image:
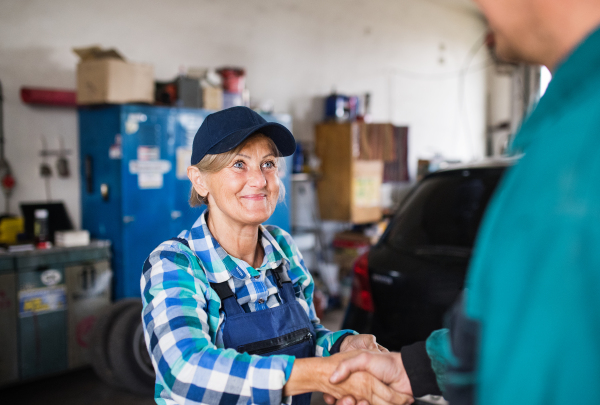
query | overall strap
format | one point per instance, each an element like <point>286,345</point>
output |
<point>228,298</point>
<point>284,283</point>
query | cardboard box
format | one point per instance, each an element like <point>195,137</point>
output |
<point>349,189</point>
<point>103,76</point>
<point>365,200</point>
<point>71,238</point>
<point>212,98</point>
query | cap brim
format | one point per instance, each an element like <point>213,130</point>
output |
<point>281,136</point>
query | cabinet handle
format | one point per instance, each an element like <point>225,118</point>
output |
<point>104,191</point>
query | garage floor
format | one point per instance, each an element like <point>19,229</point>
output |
<point>83,387</point>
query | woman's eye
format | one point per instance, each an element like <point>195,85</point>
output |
<point>269,165</point>
<point>238,165</point>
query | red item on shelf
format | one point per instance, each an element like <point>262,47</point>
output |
<point>44,245</point>
<point>63,98</point>
<point>233,79</point>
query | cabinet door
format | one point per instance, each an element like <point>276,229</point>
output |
<point>42,320</point>
<point>148,189</point>
<point>9,369</point>
<point>187,123</point>
<point>281,215</point>
<point>88,293</point>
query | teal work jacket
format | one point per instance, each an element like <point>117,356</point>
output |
<point>533,287</point>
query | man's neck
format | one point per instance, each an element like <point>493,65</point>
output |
<point>569,31</point>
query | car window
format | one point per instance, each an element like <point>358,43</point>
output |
<point>444,211</point>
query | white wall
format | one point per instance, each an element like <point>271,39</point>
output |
<point>295,52</point>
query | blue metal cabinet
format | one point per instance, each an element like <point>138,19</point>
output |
<point>187,122</point>
<point>281,216</point>
<point>134,185</point>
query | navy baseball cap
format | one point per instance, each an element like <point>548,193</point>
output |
<point>224,130</point>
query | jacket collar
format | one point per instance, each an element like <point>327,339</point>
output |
<point>573,74</point>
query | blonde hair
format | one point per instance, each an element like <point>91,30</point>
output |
<point>215,163</point>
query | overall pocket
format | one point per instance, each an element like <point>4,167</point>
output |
<point>285,344</point>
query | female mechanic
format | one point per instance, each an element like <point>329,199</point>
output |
<point>228,305</point>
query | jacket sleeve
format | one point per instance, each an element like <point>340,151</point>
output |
<point>180,330</point>
<point>446,362</point>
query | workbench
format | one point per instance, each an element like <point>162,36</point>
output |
<point>48,303</point>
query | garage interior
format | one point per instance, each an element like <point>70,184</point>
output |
<point>100,102</point>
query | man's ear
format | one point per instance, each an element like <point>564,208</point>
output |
<point>198,180</point>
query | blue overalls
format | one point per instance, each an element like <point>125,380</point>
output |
<point>285,329</point>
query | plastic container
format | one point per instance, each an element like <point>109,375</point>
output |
<point>233,79</point>
<point>298,159</point>
<point>40,228</point>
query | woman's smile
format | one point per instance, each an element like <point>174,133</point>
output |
<point>255,197</point>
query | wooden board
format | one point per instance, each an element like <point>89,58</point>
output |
<point>334,148</point>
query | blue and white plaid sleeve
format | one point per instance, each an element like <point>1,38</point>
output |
<point>304,285</point>
<point>180,320</point>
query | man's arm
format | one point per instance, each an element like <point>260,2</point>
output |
<point>445,362</point>
<point>418,369</point>
<point>409,372</point>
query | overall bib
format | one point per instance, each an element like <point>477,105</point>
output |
<point>285,329</point>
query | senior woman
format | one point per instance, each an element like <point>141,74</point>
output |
<point>228,305</point>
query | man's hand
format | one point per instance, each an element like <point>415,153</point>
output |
<point>368,390</point>
<point>351,379</point>
<point>313,374</point>
<point>361,342</point>
<point>386,367</point>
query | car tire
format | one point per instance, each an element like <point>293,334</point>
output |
<point>99,340</point>
<point>128,354</point>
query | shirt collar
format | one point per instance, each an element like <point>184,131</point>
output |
<point>219,265</point>
<point>577,69</point>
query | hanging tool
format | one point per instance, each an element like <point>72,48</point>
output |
<point>62,164</point>
<point>45,169</point>
<point>7,180</point>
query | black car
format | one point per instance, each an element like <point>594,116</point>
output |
<point>405,284</point>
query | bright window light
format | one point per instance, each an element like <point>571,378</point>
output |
<point>545,77</point>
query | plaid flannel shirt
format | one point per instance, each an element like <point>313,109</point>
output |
<point>183,321</point>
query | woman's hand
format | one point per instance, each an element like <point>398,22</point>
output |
<point>312,374</point>
<point>361,342</point>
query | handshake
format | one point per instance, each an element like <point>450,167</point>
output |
<point>362,373</point>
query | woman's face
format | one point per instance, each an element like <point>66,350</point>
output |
<point>247,189</point>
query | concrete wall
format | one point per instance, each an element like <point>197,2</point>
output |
<point>410,54</point>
